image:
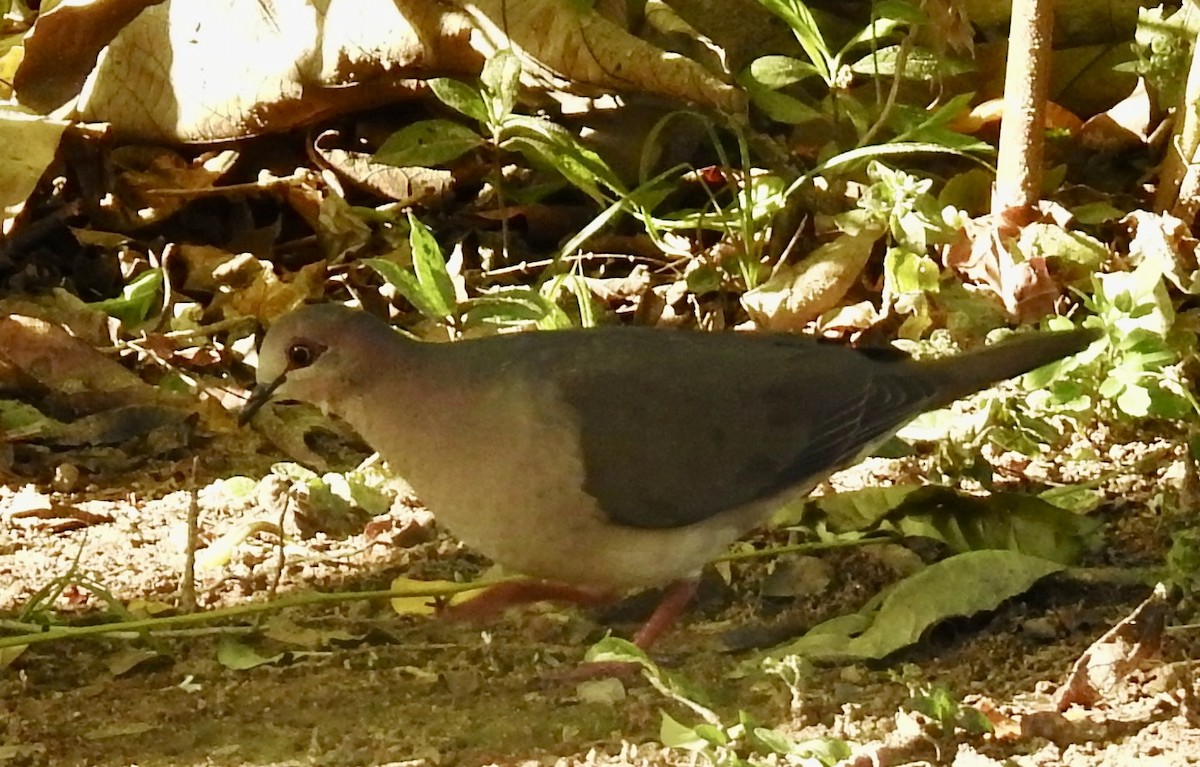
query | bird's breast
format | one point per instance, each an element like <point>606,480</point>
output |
<point>500,466</point>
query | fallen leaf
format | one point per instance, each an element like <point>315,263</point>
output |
<point>1100,672</point>
<point>797,294</point>
<point>240,69</point>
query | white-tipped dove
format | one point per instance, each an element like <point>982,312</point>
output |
<point>615,458</point>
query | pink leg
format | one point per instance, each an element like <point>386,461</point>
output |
<point>502,596</point>
<point>679,595</point>
<point>664,617</point>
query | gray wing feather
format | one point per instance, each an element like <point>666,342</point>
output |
<point>667,442</point>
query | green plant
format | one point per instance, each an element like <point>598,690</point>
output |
<point>491,104</point>
<point>769,79</point>
<point>1161,48</point>
<point>939,704</point>
<point>1137,368</point>
<point>741,744</point>
<point>1183,561</point>
<point>429,287</point>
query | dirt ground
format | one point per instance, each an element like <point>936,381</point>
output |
<point>357,683</point>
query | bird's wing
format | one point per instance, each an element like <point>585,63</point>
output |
<point>678,427</point>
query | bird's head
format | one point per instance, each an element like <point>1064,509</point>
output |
<point>308,354</point>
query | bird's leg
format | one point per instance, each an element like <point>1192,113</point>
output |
<point>496,599</point>
<point>664,617</point>
<point>676,599</point>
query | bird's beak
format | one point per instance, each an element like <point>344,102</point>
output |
<point>260,396</point>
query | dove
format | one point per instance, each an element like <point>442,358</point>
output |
<point>616,458</point>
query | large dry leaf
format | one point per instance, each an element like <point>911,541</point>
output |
<point>797,294</point>
<point>199,70</point>
<point>985,255</point>
<point>65,371</point>
<point>27,146</point>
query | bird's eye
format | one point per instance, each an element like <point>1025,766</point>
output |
<point>301,355</point>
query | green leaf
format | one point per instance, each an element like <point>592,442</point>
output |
<point>234,654</point>
<point>861,509</point>
<point>430,267</point>
<point>1008,521</point>
<point>804,27</point>
<point>460,97</point>
<point>616,650</point>
<point>899,11</point>
<point>780,107</point>
<point>1094,213</point>
<point>576,287</point>
<point>907,272</point>
<point>673,734</point>
<point>919,64</point>
<point>428,286</point>
<point>512,306</point>
<point>501,77</point>
<point>779,71</point>
<point>712,733</point>
<point>1053,241</point>
<point>427,143</point>
<point>962,585</point>
<point>773,741</point>
<point>552,146</point>
<point>21,421</point>
<point>854,157</point>
<point>877,30</point>
<point>137,299</point>
<point>406,284</point>
<point>1134,401</point>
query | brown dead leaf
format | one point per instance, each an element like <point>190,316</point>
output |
<point>66,371</point>
<point>27,147</point>
<point>1101,671</point>
<point>268,297</point>
<point>1167,241</point>
<point>62,47</point>
<point>797,294</point>
<point>407,186</point>
<point>1125,125</point>
<point>65,309</point>
<point>153,183</point>
<point>989,113</point>
<point>949,28</point>
<point>985,256</point>
<point>1004,727</point>
<point>207,268</point>
<point>846,320</point>
<point>198,70</point>
<point>29,506</point>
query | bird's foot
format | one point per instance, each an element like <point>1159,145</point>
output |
<point>496,599</point>
<point>676,599</point>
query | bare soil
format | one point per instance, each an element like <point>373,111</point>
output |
<point>359,684</point>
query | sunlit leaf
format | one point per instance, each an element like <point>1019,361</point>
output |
<point>962,585</point>
<point>428,143</point>
<point>460,97</point>
<point>239,656</point>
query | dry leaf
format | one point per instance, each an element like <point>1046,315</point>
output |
<point>198,70</point>
<point>407,186</point>
<point>985,256</point>
<point>796,295</point>
<point>27,146</point>
<point>1100,672</point>
<point>1125,125</point>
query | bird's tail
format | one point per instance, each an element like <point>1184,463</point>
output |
<point>968,373</point>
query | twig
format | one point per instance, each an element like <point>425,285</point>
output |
<point>889,105</point>
<point>150,625</point>
<point>187,590</point>
<point>249,187</point>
